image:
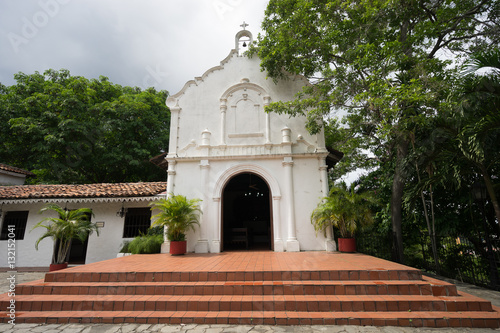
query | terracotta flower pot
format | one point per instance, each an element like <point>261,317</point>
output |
<point>347,244</point>
<point>177,248</point>
<point>57,267</point>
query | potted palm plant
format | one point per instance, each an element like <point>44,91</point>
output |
<point>345,210</point>
<point>68,225</point>
<point>178,214</point>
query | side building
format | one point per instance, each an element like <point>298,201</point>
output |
<point>121,210</point>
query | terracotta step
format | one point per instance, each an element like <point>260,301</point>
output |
<point>249,288</point>
<point>327,275</point>
<point>409,319</point>
<point>313,303</point>
<point>241,288</point>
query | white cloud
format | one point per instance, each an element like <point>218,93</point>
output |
<point>163,43</point>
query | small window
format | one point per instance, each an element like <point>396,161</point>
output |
<point>16,221</point>
<point>137,220</point>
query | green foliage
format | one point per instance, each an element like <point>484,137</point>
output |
<point>178,214</point>
<point>68,225</point>
<point>124,247</point>
<point>343,209</point>
<point>69,129</point>
<point>146,244</point>
<point>157,230</point>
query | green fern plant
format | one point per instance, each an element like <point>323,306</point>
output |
<point>68,225</point>
<point>178,214</point>
<point>146,244</point>
<point>343,209</point>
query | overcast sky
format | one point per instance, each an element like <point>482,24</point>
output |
<point>160,43</point>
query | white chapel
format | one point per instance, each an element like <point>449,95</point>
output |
<point>259,175</point>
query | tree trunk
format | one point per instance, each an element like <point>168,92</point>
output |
<point>431,230</point>
<point>397,202</point>
<point>491,191</point>
<point>55,251</point>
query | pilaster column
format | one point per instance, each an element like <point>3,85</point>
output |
<point>223,110</point>
<point>267,101</point>
<point>174,131</point>
<point>292,244</point>
<point>278,240</point>
<point>217,218</point>
<point>165,247</point>
<point>171,177</point>
<point>330,244</point>
<point>202,245</point>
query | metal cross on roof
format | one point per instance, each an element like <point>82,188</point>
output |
<point>244,25</point>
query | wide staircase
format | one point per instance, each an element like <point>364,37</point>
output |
<point>295,293</point>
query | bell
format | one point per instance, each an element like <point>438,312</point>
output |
<point>244,44</point>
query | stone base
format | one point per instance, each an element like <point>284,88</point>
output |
<point>165,247</point>
<point>215,247</point>
<point>279,246</point>
<point>330,245</point>
<point>292,246</point>
<point>201,246</point>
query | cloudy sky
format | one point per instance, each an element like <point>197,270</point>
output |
<point>160,43</point>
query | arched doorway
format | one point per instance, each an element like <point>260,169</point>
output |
<point>246,214</point>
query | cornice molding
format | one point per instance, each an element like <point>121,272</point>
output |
<point>81,200</point>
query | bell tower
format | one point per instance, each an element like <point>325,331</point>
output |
<point>243,39</point>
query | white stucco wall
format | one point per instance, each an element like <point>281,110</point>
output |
<point>10,178</point>
<point>102,247</point>
<point>219,129</point>
<point>307,194</point>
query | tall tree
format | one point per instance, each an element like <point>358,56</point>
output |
<point>382,62</point>
<point>69,129</point>
<point>478,125</point>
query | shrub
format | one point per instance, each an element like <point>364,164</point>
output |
<point>146,244</point>
<point>124,248</point>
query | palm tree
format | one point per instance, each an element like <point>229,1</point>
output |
<point>344,209</point>
<point>178,214</point>
<point>68,225</point>
<point>479,131</point>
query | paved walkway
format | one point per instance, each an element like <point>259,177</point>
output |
<point>21,277</point>
<point>193,328</point>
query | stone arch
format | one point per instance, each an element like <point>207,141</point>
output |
<point>242,168</point>
<point>246,213</point>
<point>239,35</point>
<point>275,193</point>
<point>244,84</point>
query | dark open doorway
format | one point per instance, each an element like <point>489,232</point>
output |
<point>77,254</point>
<point>247,214</point>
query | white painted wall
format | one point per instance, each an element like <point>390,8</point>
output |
<point>307,194</point>
<point>10,178</point>
<point>219,129</point>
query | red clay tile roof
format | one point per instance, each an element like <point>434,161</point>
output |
<point>83,190</point>
<point>15,170</point>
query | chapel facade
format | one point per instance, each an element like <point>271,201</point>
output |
<point>259,175</point>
